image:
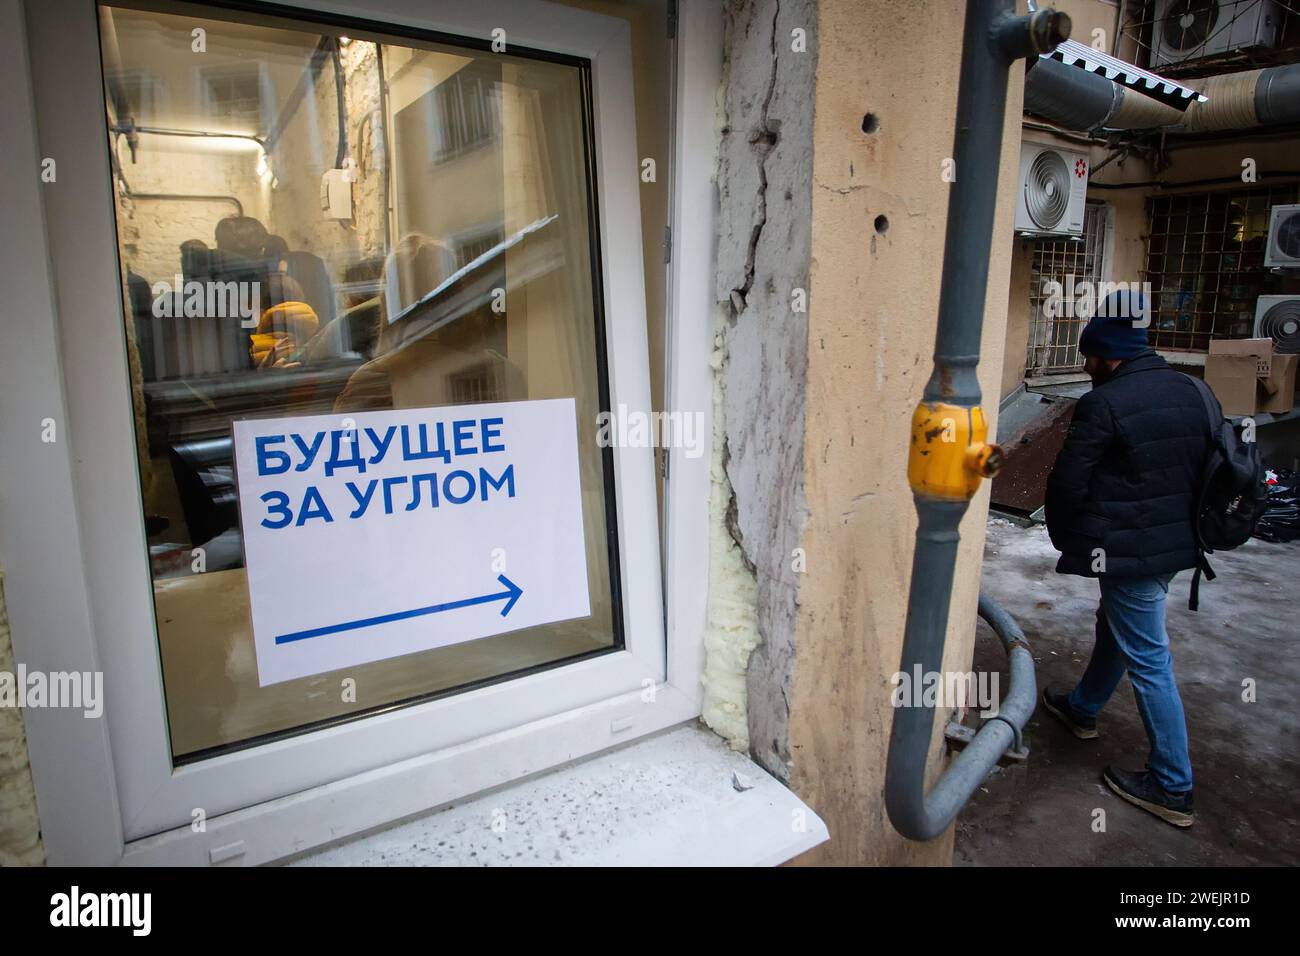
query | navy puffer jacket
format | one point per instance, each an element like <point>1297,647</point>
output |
<point>1127,478</point>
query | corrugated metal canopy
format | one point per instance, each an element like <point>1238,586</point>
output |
<point>1169,92</point>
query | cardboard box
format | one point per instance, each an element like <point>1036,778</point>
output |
<point>1248,377</point>
<point>1262,349</point>
<point>1281,383</point>
<point>1234,381</point>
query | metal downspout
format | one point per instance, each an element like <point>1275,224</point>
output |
<point>949,453</point>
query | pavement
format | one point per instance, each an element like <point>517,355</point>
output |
<point>1245,754</point>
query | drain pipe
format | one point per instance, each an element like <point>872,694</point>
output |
<point>949,453</point>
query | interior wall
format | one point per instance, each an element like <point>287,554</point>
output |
<point>155,51</point>
<point>153,229</point>
<point>308,147</point>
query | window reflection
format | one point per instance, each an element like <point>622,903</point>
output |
<point>318,223</point>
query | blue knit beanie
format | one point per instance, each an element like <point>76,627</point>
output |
<point>1118,330</point>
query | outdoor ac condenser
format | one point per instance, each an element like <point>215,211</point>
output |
<point>1053,191</point>
<point>1191,29</point>
<point>1283,250</point>
<point>1277,317</point>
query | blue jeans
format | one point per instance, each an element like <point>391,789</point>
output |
<point>1131,636</point>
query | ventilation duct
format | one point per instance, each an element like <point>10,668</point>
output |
<point>1079,100</point>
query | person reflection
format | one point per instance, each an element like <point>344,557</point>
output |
<point>285,329</point>
<point>404,320</point>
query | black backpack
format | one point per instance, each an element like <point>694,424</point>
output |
<point>1232,493</point>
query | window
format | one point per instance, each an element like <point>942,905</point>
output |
<point>233,96</point>
<point>470,247</point>
<point>140,92</point>
<point>352,275</point>
<point>458,115</point>
<point>122,788</point>
<point>1205,262</point>
<point>1054,339</point>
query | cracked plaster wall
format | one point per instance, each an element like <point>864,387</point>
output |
<point>818,404</point>
<point>764,249</point>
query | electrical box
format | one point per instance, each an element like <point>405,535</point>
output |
<point>336,194</point>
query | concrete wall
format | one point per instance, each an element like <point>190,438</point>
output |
<point>819,404</point>
<point>764,252</point>
<point>308,147</point>
<point>875,303</point>
<point>153,229</point>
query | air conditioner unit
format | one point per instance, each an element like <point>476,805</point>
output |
<point>1283,250</point>
<point>1277,317</point>
<point>1190,29</point>
<point>1053,191</point>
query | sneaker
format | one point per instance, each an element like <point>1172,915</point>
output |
<point>1141,790</point>
<point>1057,703</point>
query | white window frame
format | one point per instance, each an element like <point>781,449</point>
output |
<point>78,585</point>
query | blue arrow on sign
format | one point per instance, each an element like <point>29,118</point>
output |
<point>510,595</point>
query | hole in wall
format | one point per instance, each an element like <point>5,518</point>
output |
<point>870,123</point>
<point>769,135</point>
<point>882,224</point>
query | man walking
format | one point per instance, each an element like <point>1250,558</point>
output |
<point>1120,503</point>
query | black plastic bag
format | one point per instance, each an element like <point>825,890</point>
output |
<point>1281,518</point>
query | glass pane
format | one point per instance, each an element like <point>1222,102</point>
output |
<point>371,224</point>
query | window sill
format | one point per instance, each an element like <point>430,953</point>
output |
<point>1180,357</point>
<point>667,800</point>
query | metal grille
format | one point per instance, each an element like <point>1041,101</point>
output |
<point>471,247</point>
<point>1054,339</point>
<point>466,114</point>
<point>479,383</point>
<point>1205,263</point>
<point>235,96</point>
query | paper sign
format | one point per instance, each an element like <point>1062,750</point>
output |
<point>377,534</point>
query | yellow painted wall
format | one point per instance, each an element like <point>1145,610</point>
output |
<point>874,307</point>
<point>1017,306</point>
<point>1087,16</point>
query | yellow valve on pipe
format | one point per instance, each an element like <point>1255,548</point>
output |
<point>949,454</point>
